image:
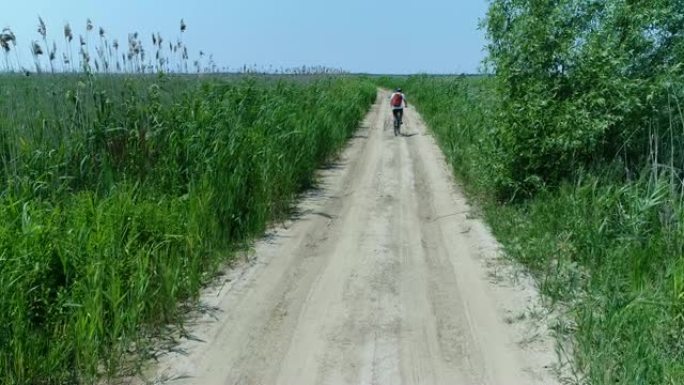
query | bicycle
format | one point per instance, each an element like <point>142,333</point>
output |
<point>397,121</point>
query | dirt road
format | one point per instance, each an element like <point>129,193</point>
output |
<point>385,278</point>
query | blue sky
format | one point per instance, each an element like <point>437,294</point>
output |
<point>401,36</point>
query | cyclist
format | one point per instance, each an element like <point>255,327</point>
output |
<point>398,102</point>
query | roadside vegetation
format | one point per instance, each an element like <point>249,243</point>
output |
<point>574,148</point>
<point>122,193</point>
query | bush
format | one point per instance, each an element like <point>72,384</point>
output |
<point>584,83</point>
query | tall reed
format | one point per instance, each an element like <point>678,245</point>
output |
<point>122,194</point>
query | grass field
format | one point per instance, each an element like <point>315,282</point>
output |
<point>123,193</point>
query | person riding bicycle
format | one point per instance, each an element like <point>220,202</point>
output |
<point>398,102</point>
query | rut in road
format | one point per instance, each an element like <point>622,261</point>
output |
<point>384,278</point>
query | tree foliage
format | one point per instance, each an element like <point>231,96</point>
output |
<point>583,83</point>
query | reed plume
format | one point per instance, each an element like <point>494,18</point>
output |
<point>136,59</point>
<point>68,35</point>
<point>42,30</point>
<point>36,49</point>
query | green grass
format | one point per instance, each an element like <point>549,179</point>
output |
<point>122,194</point>
<point>606,252</point>
<point>614,254</point>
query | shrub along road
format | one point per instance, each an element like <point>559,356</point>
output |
<point>385,277</point>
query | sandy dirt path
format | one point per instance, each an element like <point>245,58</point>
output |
<point>385,277</point>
